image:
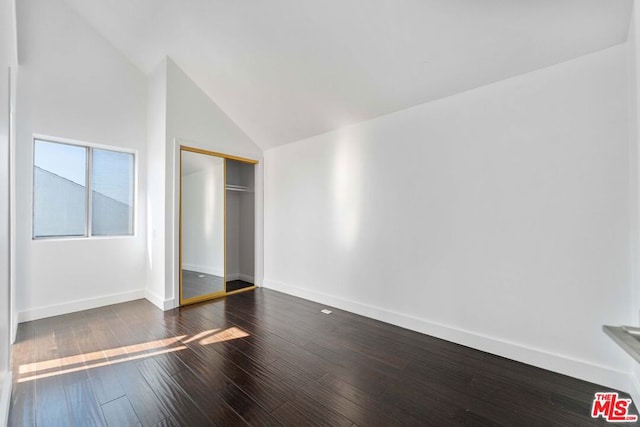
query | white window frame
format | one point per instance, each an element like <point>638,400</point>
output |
<point>89,198</point>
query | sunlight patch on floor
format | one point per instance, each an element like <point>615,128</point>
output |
<point>96,359</point>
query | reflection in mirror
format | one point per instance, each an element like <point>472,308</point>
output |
<point>202,226</point>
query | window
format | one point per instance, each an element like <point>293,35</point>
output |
<point>81,191</point>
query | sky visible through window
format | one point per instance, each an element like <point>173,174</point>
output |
<point>112,170</point>
<point>67,161</point>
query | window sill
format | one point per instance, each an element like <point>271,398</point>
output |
<point>76,239</point>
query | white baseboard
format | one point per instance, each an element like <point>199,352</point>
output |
<point>158,301</point>
<point>5,397</point>
<point>203,269</point>
<point>78,305</point>
<point>553,362</point>
<point>14,327</point>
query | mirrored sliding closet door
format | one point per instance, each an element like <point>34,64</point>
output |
<point>202,227</point>
<point>217,217</point>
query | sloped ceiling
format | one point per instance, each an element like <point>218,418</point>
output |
<point>284,70</point>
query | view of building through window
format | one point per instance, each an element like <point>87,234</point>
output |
<point>81,191</point>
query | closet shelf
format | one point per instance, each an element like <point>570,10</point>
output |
<point>232,187</point>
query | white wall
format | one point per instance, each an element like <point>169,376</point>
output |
<point>497,218</point>
<point>633,44</point>
<point>7,67</point>
<point>156,187</point>
<point>74,84</point>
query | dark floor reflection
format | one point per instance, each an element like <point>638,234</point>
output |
<point>195,284</point>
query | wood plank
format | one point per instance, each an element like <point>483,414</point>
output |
<point>168,422</point>
<point>257,383</point>
<point>22,410</point>
<point>103,379</point>
<point>51,403</point>
<point>205,395</point>
<point>120,413</point>
<point>83,406</point>
<point>289,415</point>
<point>148,408</point>
<point>374,411</point>
<point>246,407</point>
<point>174,399</point>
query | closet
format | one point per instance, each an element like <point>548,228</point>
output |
<point>217,224</point>
<point>240,210</point>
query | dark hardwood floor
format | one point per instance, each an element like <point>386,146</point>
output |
<point>266,358</point>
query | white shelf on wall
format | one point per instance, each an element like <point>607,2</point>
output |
<point>232,187</point>
<point>627,337</point>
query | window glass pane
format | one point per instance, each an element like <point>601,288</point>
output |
<point>112,185</point>
<point>59,190</point>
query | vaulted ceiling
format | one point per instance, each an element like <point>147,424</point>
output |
<point>284,70</point>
